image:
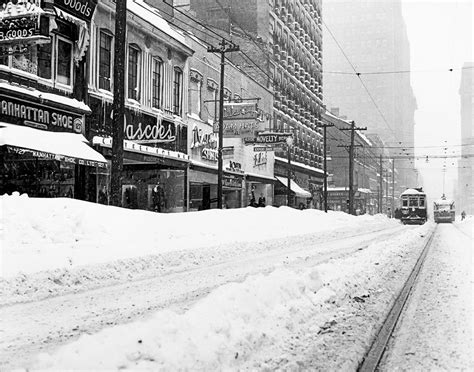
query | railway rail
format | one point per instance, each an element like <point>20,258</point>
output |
<point>374,355</point>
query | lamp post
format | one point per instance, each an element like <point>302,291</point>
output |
<point>289,143</point>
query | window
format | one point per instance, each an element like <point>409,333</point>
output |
<point>177,82</point>
<point>133,61</point>
<point>105,59</point>
<point>64,62</point>
<point>157,73</point>
<point>195,92</point>
<point>52,62</point>
<point>44,61</point>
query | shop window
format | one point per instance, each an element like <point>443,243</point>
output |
<point>52,62</point>
<point>133,71</point>
<point>157,81</point>
<point>64,62</point>
<point>105,61</point>
<point>177,86</point>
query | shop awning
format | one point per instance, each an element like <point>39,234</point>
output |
<point>299,192</point>
<point>64,146</point>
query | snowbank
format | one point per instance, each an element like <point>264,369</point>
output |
<point>58,246</point>
<point>45,234</point>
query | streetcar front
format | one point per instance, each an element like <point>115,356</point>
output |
<point>444,210</point>
<point>413,206</point>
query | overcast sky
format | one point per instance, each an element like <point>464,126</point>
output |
<point>441,37</point>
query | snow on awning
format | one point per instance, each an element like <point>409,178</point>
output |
<point>141,149</point>
<point>294,187</point>
<point>64,146</point>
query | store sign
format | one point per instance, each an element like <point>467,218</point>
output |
<point>50,156</point>
<point>20,29</point>
<point>209,154</point>
<point>268,138</point>
<point>16,111</point>
<point>231,181</point>
<point>233,166</point>
<point>83,9</point>
<point>206,143</point>
<point>142,128</point>
<point>240,120</point>
<point>260,159</point>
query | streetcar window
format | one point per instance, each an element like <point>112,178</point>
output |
<point>413,202</point>
<point>404,202</point>
<point>422,202</point>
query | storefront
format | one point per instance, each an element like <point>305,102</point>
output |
<point>43,150</point>
<point>300,197</point>
<point>155,164</point>
<point>338,200</point>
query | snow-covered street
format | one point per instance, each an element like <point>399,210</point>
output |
<point>271,288</point>
<point>436,330</point>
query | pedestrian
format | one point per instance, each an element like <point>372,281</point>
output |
<point>463,215</point>
<point>261,201</point>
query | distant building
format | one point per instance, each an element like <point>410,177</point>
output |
<point>465,190</point>
<point>373,193</point>
<point>373,36</point>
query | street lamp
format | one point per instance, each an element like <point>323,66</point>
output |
<point>289,143</point>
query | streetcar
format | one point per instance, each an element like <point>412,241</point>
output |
<point>413,206</point>
<point>444,210</point>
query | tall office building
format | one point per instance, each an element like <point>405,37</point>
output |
<point>284,38</point>
<point>465,190</point>
<point>373,36</point>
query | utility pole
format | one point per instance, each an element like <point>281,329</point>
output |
<point>225,47</point>
<point>353,128</point>
<point>386,189</point>
<point>325,192</point>
<point>118,103</point>
<point>380,185</point>
<point>393,187</point>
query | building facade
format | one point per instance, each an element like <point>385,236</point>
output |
<point>465,189</point>
<point>156,160</point>
<point>373,189</point>
<point>373,36</point>
<point>247,173</point>
<point>43,99</point>
<point>284,38</point>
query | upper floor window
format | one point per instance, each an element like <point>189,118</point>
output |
<point>177,86</point>
<point>64,62</point>
<point>105,61</point>
<point>195,92</point>
<point>52,62</point>
<point>157,82</point>
<point>133,71</point>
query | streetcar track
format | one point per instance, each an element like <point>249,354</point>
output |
<point>379,345</point>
